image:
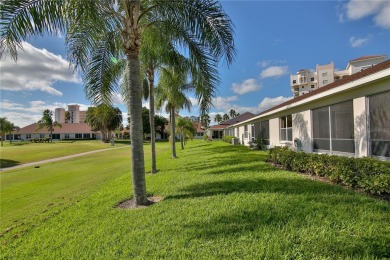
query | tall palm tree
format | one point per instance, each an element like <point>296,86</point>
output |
<point>48,123</point>
<point>156,51</point>
<point>97,32</point>
<point>186,130</point>
<point>225,117</point>
<point>171,92</point>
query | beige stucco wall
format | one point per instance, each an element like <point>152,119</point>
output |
<point>302,129</point>
<point>360,129</point>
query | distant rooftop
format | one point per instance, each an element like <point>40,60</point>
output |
<point>367,57</point>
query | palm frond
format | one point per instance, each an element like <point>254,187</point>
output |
<point>21,19</point>
<point>102,77</point>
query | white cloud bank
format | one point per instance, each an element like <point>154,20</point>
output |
<point>268,103</point>
<point>35,69</point>
<point>358,42</point>
<point>379,9</point>
<point>274,71</point>
<point>248,85</point>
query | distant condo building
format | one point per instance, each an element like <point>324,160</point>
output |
<point>75,115</point>
<point>305,81</point>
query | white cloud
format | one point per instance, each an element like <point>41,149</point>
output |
<point>35,69</point>
<point>274,71</point>
<point>379,9</point>
<point>248,85</point>
<point>267,102</point>
<point>194,101</point>
<point>358,42</point>
<point>22,115</point>
<point>223,103</point>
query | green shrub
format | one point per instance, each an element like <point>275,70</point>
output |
<point>367,173</point>
<point>227,138</point>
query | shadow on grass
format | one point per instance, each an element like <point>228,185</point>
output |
<point>256,185</point>
<point>4,163</point>
<point>293,208</point>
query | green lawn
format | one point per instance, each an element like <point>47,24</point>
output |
<point>25,152</point>
<point>220,202</point>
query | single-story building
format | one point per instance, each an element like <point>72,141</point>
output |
<point>67,131</point>
<point>217,131</point>
<point>350,116</point>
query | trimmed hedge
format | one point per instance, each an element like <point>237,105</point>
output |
<point>368,173</point>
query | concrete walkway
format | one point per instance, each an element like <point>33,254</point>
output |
<point>59,159</point>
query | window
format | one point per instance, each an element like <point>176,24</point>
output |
<point>379,118</point>
<point>55,136</point>
<point>86,136</point>
<point>28,136</point>
<point>286,128</point>
<point>333,128</point>
<point>41,135</point>
<point>303,87</point>
<point>325,82</point>
<point>262,131</point>
<point>79,135</point>
<point>325,74</point>
<point>66,136</point>
<point>246,131</point>
<point>312,86</point>
<point>312,79</point>
<point>294,81</point>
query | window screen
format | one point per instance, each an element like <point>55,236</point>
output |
<point>321,130</point>
<point>342,127</point>
<point>262,131</point>
<point>333,128</point>
<point>379,116</point>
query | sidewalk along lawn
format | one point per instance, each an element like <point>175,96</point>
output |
<point>24,152</point>
<point>220,202</point>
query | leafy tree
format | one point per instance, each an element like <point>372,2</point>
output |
<point>68,117</point>
<point>99,31</point>
<point>225,117</point>
<point>218,118</point>
<point>186,130</point>
<point>160,122</point>
<point>105,119</point>
<point>5,128</point>
<point>48,123</point>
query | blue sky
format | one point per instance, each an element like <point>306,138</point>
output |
<point>273,39</point>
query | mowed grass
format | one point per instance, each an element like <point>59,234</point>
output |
<point>24,152</point>
<point>220,202</point>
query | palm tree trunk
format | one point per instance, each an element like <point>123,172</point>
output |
<point>182,141</point>
<point>136,131</point>
<point>150,73</point>
<point>173,143</point>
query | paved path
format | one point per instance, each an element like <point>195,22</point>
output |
<point>59,158</point>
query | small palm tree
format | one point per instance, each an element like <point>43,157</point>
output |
<point>48,123</point>
<point>218,118</point>
<point>186,130</point>
<point>5,127</point>
<point>232,113</point>
<point>171,92</point>
<point>225,117</point>
<point>105,119</point>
